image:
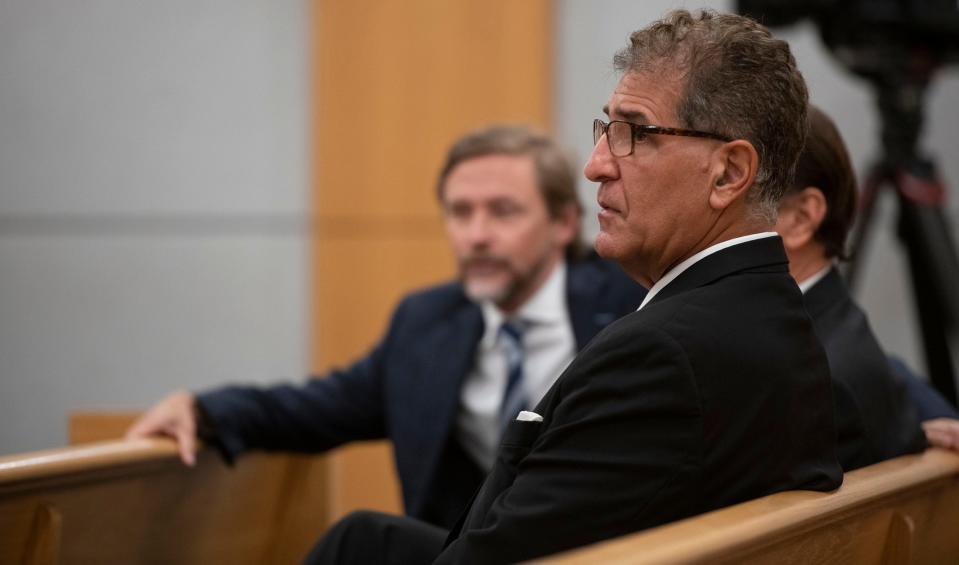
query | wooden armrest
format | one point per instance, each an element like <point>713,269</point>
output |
<point>91,457</point>
<point>902,510</point>
<point>135,502</point>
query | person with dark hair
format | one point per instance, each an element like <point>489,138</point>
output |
<point>460,359</point>
<point>875,418</point>
<point>716,390</point>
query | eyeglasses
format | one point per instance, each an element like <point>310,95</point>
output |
<point>621,136</point>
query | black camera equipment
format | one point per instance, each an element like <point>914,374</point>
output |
<point>897,45</point>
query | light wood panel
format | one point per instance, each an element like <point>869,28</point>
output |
<point>91,426</point>
<point>395,83</point>
<point>299,482</point>
<point>902,511</point>
<point>134,502</point>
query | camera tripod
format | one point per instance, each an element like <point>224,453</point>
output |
<point>897,47</point>
<point>923,228</point>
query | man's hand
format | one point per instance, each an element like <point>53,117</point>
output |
<point>942,432</point>
<point>173,416</point>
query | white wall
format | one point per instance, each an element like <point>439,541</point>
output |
<point>153,187</point>
<point>590,32</point>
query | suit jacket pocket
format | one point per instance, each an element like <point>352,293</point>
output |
<point>517,441</point>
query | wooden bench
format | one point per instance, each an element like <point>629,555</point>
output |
<point>134,502</point>
<point>902,511</point>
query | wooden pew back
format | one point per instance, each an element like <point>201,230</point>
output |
<point>901,511</point>
<point>134,502</point>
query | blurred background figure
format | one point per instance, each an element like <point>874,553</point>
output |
<point>875,417</point>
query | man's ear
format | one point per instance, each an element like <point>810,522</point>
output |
<point>800,216</point>
<point>734,170</point>
<point>566,224</point>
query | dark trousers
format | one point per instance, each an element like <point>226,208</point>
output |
<point>366,537</point>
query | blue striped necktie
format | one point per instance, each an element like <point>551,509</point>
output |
<point>514,395</point>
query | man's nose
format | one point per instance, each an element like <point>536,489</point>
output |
<point>601,165</point>
<point>479,229</point>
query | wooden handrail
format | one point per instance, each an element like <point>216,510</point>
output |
<point>765,520</point>
<point>89,457</point>
<point>135,502</point>
<point>883,490</point>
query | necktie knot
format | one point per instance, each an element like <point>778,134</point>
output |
<point>513,330</point>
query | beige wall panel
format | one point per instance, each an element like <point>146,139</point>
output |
<point>363,477</point>
<point>395,82</point>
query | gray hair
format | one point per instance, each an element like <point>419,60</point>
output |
<point>739,81</point>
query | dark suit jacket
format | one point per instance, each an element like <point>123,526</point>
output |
<point>875,417</point>
<point>714,393</point>
<point>406,389</point>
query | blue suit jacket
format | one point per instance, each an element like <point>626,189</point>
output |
<point>406,389</point>
<point>929,402</point>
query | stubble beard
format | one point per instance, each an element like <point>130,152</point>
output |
<point>517,284</point>
<point>479,289</point>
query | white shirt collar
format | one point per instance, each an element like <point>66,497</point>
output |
<point>690,261</point>
<point>546,306</point>
<point>811,281</point>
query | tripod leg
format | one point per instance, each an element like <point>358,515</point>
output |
<point>935,280</point>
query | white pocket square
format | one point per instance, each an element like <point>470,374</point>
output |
<point>526,416</point>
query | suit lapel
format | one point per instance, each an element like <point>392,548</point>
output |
<point>452,347</point>
<point>825,294</point>
<point>759,254</point>
<point>588,313</point>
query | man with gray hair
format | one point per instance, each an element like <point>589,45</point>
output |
<point>716,390</point>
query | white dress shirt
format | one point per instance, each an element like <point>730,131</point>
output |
<point>671,275</point>
<point>548,346</point>
<point>811,281</point>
